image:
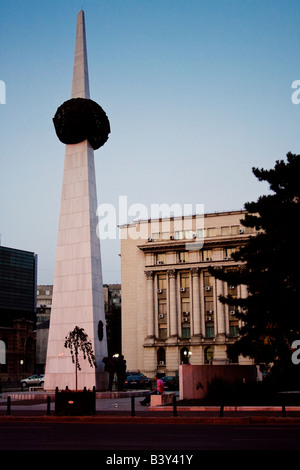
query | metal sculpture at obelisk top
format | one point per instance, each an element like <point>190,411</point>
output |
<point>77,299</point>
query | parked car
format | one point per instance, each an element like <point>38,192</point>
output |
<point>137,381</point>
<point>33,380</point>
<point>171,382</point>
<point>146,379</point>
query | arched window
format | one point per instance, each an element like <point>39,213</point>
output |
<point>208,355</point>
<point>184,356</point>
<point>233,358</point>
<point>161,357</point>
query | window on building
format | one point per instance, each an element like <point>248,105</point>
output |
<point>225,231</point>
<point>161,357</point>
<point>235,229</point>
<point>209,305</point>
<point>162,319</point>
<point>208,281</point>
<point>178,235</point>
<point>188,234</point>
<point>232,290</point>
<point>184,355</point>
<point>162,331</point>
<point>184,281</point>
<point>209,327</point>
<point>211,232</point>
<point>228,252</point>
<point>183,256</point>
<point>201,232</point>
<point>162,310</point>
<point>232,309</point>
<point>233,328</point>
<point>185,331</point>
<point>185,306</point>
<point>160,258</point>
<point>162,282</point>
<point>208,355</point>
<point>185,318</point>
<point>207,255</point>
<point>248,229</point>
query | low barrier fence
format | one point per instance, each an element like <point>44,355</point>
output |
<point>48,406</point>
<point>173,407</point>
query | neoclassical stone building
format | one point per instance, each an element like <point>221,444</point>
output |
<point>170,308</point>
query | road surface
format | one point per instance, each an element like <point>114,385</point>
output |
<point>29,435</point>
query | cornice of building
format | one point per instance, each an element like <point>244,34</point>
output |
<point>181,245</point>
<point>190,266</point>
<point>192,216</point>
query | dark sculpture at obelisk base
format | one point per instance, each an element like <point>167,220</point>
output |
<point>77,299</point>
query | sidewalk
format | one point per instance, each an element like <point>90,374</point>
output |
<point>120,407</point>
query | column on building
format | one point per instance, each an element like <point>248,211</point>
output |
<point>172,302</point>
<point>227,326</point>
<point>202,305</point>
<point>150,305</point>
<point>196,302</point>
<point>220,309</point>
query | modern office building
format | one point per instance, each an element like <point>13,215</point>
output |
<point>171,313</point>
<point>18,277</point>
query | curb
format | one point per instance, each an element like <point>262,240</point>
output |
<point>246,420</point>
<point>226,408</point>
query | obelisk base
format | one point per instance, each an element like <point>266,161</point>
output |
<point>87,380</point>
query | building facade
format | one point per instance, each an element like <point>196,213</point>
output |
<point>171,313</point>
<point>43,307</point>
<point>18,278</point>
<point>18,274</point>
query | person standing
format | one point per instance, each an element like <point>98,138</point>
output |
<point>109,367</point>
<point>121,372</point>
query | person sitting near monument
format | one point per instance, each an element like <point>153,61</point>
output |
<point>159,390</point>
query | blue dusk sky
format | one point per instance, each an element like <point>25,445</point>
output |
<point>197,93</point>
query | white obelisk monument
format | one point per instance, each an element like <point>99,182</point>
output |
<point>78,288</point>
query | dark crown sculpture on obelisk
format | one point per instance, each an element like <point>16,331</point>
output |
<point>77,300</point>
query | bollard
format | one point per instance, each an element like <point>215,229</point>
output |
<point>174,406</point>
<point>221,414</point>
<point>8,406</point>
<point>283,412</point>
<point>132,406</point>
<point>48,405</point>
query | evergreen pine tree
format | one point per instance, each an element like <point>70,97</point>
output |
<point>270,269</point>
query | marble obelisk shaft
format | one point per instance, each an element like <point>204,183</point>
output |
<point>78,287</point>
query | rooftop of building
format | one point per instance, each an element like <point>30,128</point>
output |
<point>187,216</point>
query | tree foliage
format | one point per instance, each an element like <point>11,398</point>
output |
<point>269,265</point>
<point>77,340</point>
